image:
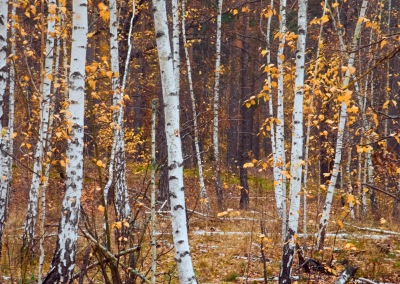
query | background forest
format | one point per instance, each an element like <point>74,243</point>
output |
<point>201,141</point>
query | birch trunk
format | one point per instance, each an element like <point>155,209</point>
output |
<point>175,43</point>
<point>47,170</point>
<point>218,185</point>
<point>279,162</point>
<point>153,194</point>
<point>339,142</point>
<point>121,191</point>
<point>297,148</point>
<point>177,190</point>
<point>203,191</point>
<point>115,87</point>
<point>35,194</point>
<point>63,262</point>
<point>3,85</point>
<point>309,131</point>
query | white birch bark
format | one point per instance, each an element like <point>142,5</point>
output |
<point>175,161</point>
<point>121,195</point>
<point>279,162</point>
<point>3,85</point>
<point>203,191</point>
<point>37,178</point>
<point>7,143</point>
<point>297,147</point>
<point>309,129</point>
<point>339,142</point>
<point>115,87</point>
<point>118,147</point>
<point>175,43</point>
<point>63,262</point>
<point>218,185</point>
<point>49,149</point>
<point>349,181</point>
<point>153,194</point>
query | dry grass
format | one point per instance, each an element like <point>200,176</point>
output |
<point>218,255</point>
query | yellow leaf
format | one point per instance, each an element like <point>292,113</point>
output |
<point>282,57</point>
<point>352,70</point>
<point>99,163</point>
<point>126,224</point>
<point>340,223</point>
<point>334,5</point>
<point>383,43</point>
<point>385,105</point>
<point>3,177</point>
<point>109,74</point>
<point>28,145</point>
<point>365,189</point>
<point>248,105</point>
<point>235,12</point>
<point>73,200</point>
<point>264,52</point>
<point>254,161</point>
<point>383,221</point>
<point>273,84</point>
<point>52,9</point>
<point>325,19</point>
<point>345,97</point>
<point>248,165</point>
<point>101,208</point>
<point>50,77</point>
<point>116,74</point>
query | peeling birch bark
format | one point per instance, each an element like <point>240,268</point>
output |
<point>63,263</point>
<point>37,178</point>
<point>175,161</point>
<point>297,148</point>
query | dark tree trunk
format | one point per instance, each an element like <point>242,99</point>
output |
<point>256,137</point>
<point>162,152</point>
<point>245,130</point>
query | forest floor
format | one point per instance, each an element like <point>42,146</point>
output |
<point>224,249</point>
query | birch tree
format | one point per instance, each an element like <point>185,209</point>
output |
<point>339,142</point>
<point>62,266</point>
<point>121,192</point>
<point>279,162</point>
<point>218,185</point>
<point>203,191</point>
<point>175,161</point>
<point>309,129</point>
<point>297,148</point>
<point>3,85</point>
<point>38,179</point>
<point>153,194</point>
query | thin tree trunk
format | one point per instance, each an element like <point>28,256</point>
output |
<point>245,131</point>
<point>339,142</point>
<point>203,191</point>
<point>177,190</point>
<point>121,191</point>
<point>8,139</point>
<point>305,177</point>
<point>279,162</point>
<point>63,262</point>
<point>38,179</point>
<point>297,148</point>
<point>218,185</point>
<point>153,194</point>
